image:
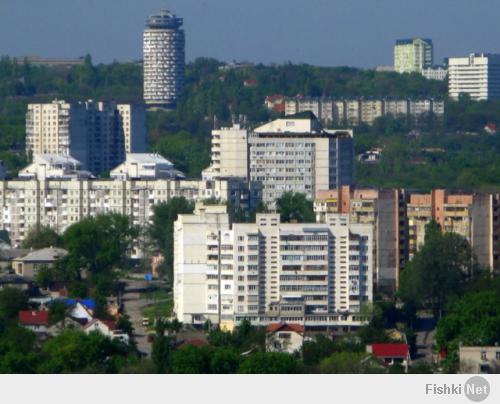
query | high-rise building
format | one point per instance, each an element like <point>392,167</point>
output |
<point>291,154</point>
<point>316,274</point>
<point>477,75</point>
<point>413,55</point>
<point>164,60</point>
<point>97,134</point>
<point>53,191</point>
<point>382,209</point>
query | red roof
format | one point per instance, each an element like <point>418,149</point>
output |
<point>390,350</point>
<point>275,97</point>
<point>28,317</point>
<point>274,327</point>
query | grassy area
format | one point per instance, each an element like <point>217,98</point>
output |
<point>161,304</point>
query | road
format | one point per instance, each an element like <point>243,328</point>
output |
<point>133,304</point>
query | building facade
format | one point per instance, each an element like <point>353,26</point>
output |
<point>399,218</point>
<point>435,73</point>
<point>292,154</point>
<point>353,112</point>
<point>97,134</point>
<point>477,75</point>
<point>164,59</point>
<point>381,209</point>
<point>318,274</point>
<point>65,197</point>
<point>413,55</point>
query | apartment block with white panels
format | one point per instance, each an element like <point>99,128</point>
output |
<point>476,75</point>
<point>164,59</point>
<point>318,274</point>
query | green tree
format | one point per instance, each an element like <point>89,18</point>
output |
<point>12,300</point>
<point>160,355</point>
<point>58,311</point>
<point>74,351</point>
<point>350,362</point>
<point>225,361</point>
<point>317,349</point>
<point>269,362</point>
<point>438,271</point>
<point>42,237</point>
<point>161,230</point>
<point>295,207</point>
<point>99,243</point>
<point>191,360</point>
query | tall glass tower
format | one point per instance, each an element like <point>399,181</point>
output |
<point>164,60</point>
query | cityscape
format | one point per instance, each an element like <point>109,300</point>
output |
<point>179,216</point>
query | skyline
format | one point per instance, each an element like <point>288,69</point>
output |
<point>243,31</point>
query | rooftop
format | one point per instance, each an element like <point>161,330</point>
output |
<point>275,327</point>
<point>164,19</point>
<point>29,317</point>
<point>44,255</point>
<point>390,350</point>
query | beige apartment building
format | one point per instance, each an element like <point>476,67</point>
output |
<point>59,195</point>
<point>353,112</point>
<point>315,274</point>
<point>399,218</point>
<point>98,134</point>
<point>290,154</point>
<point>479,359</point>
<point>381,209</point>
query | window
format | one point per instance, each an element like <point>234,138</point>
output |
<point>498,355</point>
<point>483,356</point>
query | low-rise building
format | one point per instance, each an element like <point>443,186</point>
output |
<point>479,359</point>
<point>106,328</point>
<point>284,337</point>
<point>391,353</point>
<point>29,264</point>
<point>36,321</point>
<point>145,166</point>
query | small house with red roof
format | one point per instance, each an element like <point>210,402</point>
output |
<point>284,337</point>
<point>34,320</point>
<point>391,353</point>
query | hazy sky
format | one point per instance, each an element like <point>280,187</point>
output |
<point>322,32</point>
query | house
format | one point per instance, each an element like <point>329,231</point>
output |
<point>36,321</point>
<point>391,353</point>
<point>65,324</point>
<point>106,328</point>
<point>7,255</point>
<point>82,310</point>
<point>490,128</point>
<point>479,359</point>
<point>29,264</point>
<point>370,156</point>
<point>284,337</point>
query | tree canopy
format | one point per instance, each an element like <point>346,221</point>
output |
<point>295,207</point>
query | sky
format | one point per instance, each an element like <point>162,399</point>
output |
<point>357,33</point>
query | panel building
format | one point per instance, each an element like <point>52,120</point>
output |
<point>316,274</point>
<point>289,154</point>
<point>477,75</point>
<point>164,59</point>
<point>54,192</point>
<point>399,218</point>
<point>98,134</point>
<point>413,55</point>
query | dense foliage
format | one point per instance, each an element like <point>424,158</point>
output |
<point>438,271</point>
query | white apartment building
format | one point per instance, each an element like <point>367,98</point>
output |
<point>315,274</point>
<point>435,73</point>
<point>291,154</point>
<point>56,195</point>
<point>352,112</point>
<point>413,55</point>
<point>164,59</point>
<point>145,166</point>
<point>477,75</point>
<point>97,134</point>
